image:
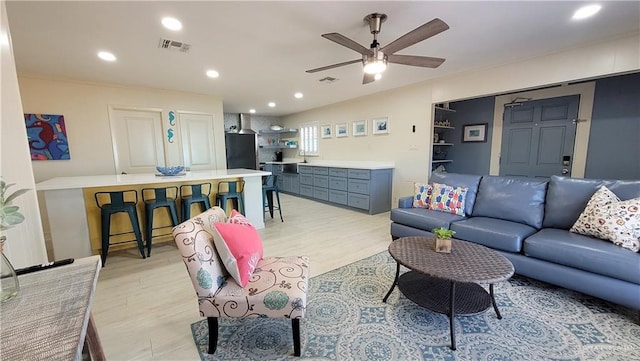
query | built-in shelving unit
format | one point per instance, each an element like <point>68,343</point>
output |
<point>278,146</point>
<point>441,131</point>
<point>275,140</point>
<point>444,109</point>
<point>280,131</point>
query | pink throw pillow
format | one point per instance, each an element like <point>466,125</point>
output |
<point>237,218</point>
<point>239,246</point>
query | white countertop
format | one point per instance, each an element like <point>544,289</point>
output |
<point>143,178</point>
<point>283,162</point>
<point>349,164</point>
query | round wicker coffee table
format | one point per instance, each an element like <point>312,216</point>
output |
<point>448,282</point>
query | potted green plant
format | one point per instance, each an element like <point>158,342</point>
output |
<point>9,216</point>
<point>443,239</point>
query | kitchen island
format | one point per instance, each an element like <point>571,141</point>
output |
<point>361,185</point>
<point>72,212</point>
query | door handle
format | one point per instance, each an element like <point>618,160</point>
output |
<point>565,171</point>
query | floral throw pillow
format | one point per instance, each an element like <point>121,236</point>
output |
<point>422,192</point>
<point>445,198</point>
<point>607,217</point>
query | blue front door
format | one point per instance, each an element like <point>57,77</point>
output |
<point>538,137</point>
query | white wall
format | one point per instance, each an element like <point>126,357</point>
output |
<point>85,109</point>
<point>412,105</point>
<point>405,107</point>
<point>25,242</point>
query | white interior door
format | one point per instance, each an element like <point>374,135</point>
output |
<point>198,144</point>
<point>137,140</point>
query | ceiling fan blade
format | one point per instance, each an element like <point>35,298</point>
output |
<point>344,41</point>
<point>334,66</point>
<point>423,61</point>
<point>433,27</point>
<point>368,78</point>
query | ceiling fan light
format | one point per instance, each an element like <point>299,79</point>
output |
<point>375,66</point>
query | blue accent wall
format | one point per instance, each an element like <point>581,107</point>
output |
<point>614,139</point>
<point>470,158</point>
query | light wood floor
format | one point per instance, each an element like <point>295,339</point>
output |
<point>143,307</point>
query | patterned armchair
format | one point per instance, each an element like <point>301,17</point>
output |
<point>277,289</point>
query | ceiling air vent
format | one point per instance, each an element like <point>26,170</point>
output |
<point>328,80</point>
<point>174,45</point>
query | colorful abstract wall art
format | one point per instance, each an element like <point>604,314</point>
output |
<point>47,136</point>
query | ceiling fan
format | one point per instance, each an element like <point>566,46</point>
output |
<point>375,58</point>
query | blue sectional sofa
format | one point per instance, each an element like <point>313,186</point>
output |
<point>528,221</point>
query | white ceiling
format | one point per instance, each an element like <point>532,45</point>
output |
<point>262,49</point>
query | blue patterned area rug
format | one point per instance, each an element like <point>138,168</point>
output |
<point>347,320</point>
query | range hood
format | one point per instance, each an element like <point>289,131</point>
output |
<point>245,124</point>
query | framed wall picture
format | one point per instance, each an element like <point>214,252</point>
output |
<point>325,131</point>
<point>359,128</point>
<point>475,133</point>
<point>341,130</point>
<point>380,125</point>
<point>47,137</point>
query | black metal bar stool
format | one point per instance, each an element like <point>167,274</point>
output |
<point>269,187</point>
<point>233,193</point>
<point>194,194</point>
<point>153,198</point>
<point>117,204</point>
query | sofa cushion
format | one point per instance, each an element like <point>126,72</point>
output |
<point>421,194</point>
<point>625,189</point>
<point>468,181</point>
<point>446,198</point>
<point>424,219</point>
<point>607,217</point>
<point>278,289</point>
<point>495,233</point>
<point>567,198</point>
<point>582,252</point>
<point>400,230</point>
<point>512,199</point>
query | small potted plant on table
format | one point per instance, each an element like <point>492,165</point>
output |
<point>443,239</point>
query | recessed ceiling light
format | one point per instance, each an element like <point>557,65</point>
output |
<point>377,76</point>
<point>172,23</point>
<point>586,11</point>
<point>272,104</point>
<point>252,111</point>
<point>106,56</point>
<point>298,95</point>
<point>212,74</point>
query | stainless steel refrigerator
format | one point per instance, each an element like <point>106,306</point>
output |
<point>242,150</point>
